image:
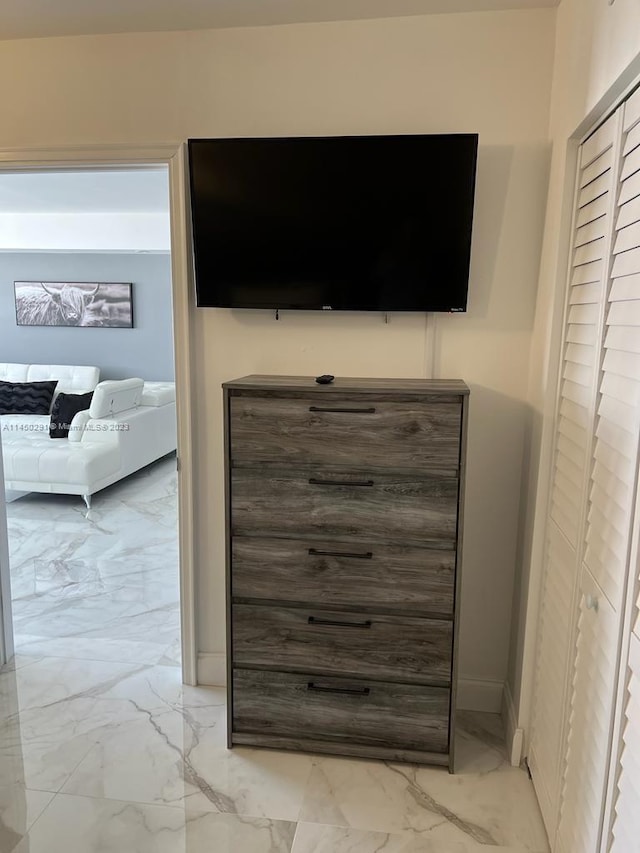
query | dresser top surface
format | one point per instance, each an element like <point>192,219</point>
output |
<point>259,382</point>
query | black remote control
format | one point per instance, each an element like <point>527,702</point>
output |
<point>325,379</point>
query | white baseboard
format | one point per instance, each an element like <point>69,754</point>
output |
<point>480,695</point>
<point>514,736</point>
<point>212,669</point>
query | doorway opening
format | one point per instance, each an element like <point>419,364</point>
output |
<point>97,583</point>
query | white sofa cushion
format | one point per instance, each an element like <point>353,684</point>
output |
<point>78,424</point>
<point>42,460</point>
<point>114,396</point>
<point>158,393</point>
<point>72,379</point>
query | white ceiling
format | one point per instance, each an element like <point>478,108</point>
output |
<point>106,191</point>
<point>39,18</point>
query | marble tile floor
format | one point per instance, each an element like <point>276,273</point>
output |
<point>103,750</point>
<point>113,757</point>
<point>101,585</point>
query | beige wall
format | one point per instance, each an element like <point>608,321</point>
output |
<point>485,72</point>
<point>597,55</point>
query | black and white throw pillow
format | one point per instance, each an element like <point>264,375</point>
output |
<point>26,398</point>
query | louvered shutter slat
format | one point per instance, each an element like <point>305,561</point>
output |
<point>624,314</point>
<point>632,140</point>
<point>622,363</point>
<point>573,433</point>
<point>575,392</point>
<point>631,189</point>
<point>567,469</point>
<point>626,237</point>
<point>629,213</point>
<point>583,294</point>
<point>590,252</point>
<point>618,413</point>
<point>601,492</point>
<point>596,189</point>
<point>631,163</point>
<point>587,273</point>
<point>578,373</point>
<point>595,230</point>
<point>592,211</point>
<point>596,169</point>
<point>577,414</point>
<point>625,288</point>
<point>610,431</point>
<point>614,512</point>
<point>613,462</point>
<point>616,491</point>
<point>609,524</point>
<point>621,388</point>
<point>624,338</point>
<point>580,354</point>
<point>598,142</point>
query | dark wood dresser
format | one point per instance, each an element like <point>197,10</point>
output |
<point>344,530</point>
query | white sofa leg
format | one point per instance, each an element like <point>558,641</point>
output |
<point>87,500</point>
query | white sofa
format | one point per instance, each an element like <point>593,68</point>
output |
<point>129,424</point>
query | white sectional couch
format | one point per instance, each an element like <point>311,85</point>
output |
<point>130,423</point>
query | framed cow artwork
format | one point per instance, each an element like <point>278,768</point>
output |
<point>74,303</point>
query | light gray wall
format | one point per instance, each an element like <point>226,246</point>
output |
<point>145,351</point>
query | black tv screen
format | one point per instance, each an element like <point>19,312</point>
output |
<point>356,223</point>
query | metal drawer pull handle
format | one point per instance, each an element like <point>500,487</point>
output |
<point>351,691</point>
<point>346,411</point>
<point>312,620</point>
<point>365,555</point>
<point>315,481</point>
<point>592,602</point>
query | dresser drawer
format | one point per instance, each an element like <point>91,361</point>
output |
<point>355,574</point>
<point>352,643</point>
<point>351,711</point>
<point>404,509</point>
<point>352,432</point>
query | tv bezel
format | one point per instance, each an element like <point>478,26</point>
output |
<point>292,306</point>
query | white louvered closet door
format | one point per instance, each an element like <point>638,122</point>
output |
<point>589,697</point>
<point>610,511</point>
<point>571,467</point>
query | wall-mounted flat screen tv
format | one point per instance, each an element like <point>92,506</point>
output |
<point>355,223</point>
